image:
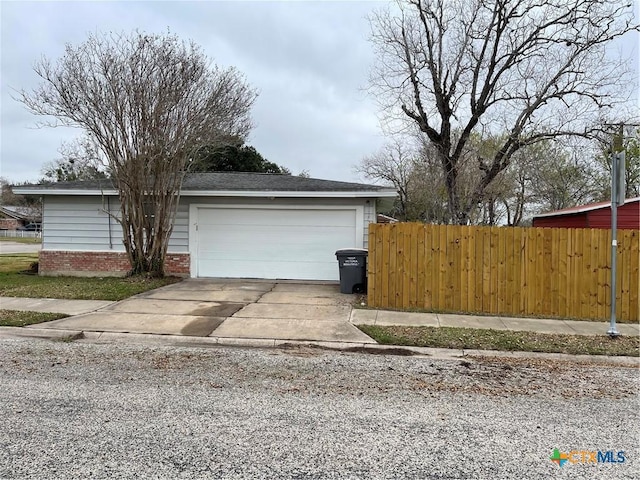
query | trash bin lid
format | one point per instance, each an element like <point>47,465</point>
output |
<point>352,251</point>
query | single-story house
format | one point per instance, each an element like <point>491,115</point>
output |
<point>593,215</point>
<point>15,218</point>
<point>229,225</point>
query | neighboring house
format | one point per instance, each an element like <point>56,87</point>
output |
<point>594,215</point>
<point>385,219</point>
<point>237,225</point>
<point>16,218</point>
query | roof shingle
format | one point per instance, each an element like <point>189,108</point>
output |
<point>234,181</point>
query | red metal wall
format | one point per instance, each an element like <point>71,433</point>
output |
<point>628,218</point>
<point>574,220</point>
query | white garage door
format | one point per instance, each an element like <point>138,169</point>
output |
<point>272,243</point>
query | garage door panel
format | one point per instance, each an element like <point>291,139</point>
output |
<point>312,241</point>
<point>273,243</point>
<point>283,218</point>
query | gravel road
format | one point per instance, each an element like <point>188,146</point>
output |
<point>84,410</point>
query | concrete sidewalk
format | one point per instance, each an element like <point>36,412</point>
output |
<point>52,305</point>
<point>238,310</point>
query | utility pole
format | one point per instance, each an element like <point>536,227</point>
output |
<point>618,189</point>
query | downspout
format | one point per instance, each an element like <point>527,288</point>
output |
<point>109,217</point>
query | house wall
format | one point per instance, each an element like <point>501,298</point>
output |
<point>79,237</point>
<point>10,223</point>
<point>101,264</point>
<point>628,218</point>
<point>81,223</point>
<point>575,220</point>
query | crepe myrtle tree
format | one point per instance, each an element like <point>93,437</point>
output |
<point>146,102</point>
<point>535,69</point>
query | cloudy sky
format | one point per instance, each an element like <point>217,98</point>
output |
<point>309,61</point>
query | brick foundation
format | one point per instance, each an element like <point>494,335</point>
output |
<point>103,264</point>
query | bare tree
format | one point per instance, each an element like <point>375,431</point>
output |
<point>146,102</point>
<point>394,165</point>
<point>631,146</point>
<point>535,69</point>
<point>408,164</point>
<point>79,161</point>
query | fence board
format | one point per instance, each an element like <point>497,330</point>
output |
<point>386,263</point>
<point>530,286</point>
<point>472,296</point>
<point>604,240</point>
<point>429,280</point>
<point>563,268</point>
<point>371,270</point>
<point>625,268</point>
<point>593,274</point>
<point>573,295</point>
<point>442,266</point>
<point>634,275</point>
<point>405,247</point>
<point>456,268</point>
<point>546,272</point>
<point>465,266</point>
<point>479,269</point>
<point>413,274</point>
<point>486,270</point>
<point>500,274</point>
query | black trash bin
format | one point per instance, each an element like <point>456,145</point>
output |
<point>352,263</point>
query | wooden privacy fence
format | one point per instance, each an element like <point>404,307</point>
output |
<point>551,272</point>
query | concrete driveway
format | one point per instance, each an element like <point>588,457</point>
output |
<point>229,309</point>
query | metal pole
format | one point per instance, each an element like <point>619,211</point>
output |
<point>614,243</point>
<point>618,147</point>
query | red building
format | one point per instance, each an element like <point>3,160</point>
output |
<point>594,215</point>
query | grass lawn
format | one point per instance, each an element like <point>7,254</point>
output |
<point>21,240</point>
<point>14,283</point>
<point>14,318</point>
<point>481,339</point>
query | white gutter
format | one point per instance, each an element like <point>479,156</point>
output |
<point>61,191</point>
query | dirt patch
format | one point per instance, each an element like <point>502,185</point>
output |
<point>202,327</point>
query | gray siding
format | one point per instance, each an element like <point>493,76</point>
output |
<point>80,223</point>
<point>369,217</point>
<point>179,241</point>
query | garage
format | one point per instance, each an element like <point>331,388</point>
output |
<point>226,224</point>
<point>276,242</point>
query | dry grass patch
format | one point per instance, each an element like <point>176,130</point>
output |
<point>14,318</point>
<point>486,339</point>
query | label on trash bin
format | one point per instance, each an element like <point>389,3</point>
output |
<point>351,262</point>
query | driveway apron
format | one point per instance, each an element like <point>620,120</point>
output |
<point>229,309</point>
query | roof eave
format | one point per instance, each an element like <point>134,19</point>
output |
<point>222,193</point>
<point>583,209</point>
<point>62,191</point>
<point>290,193</point>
